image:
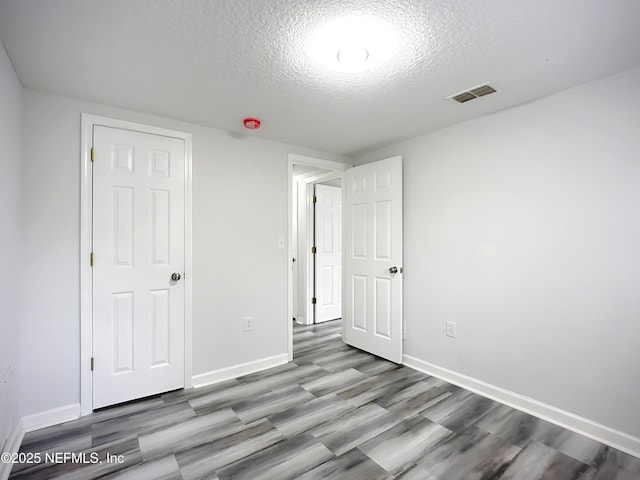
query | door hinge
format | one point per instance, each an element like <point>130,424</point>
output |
<point>92,157</point>
<point>91,259</point>
<point>313,250</point>
<point>315,199</point>
<point>92,363</point>
<point>313,300</point>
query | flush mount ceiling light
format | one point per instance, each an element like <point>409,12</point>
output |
<point>354,44</point>
<point>353,55</point>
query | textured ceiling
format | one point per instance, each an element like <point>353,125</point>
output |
<point>215,62</point>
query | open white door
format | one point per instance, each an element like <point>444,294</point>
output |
<point>373,258</point>
<point>139,261</point>
<point>328,264</point>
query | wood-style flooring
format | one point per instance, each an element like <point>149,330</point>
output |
<point>334,413</point>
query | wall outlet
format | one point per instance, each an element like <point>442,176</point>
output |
<point>248,324</point>
<point>451,329</point>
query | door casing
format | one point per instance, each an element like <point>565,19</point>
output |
<point>86,220</point>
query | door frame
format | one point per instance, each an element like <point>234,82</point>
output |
<point>88,121</point>
<point>338,169</point>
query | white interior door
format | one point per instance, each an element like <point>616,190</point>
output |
<point>138,243</point>
<point>328,264</point>
<point>373,258</point>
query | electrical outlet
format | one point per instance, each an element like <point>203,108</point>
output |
<point>248,324</point>
<point>451,329</point>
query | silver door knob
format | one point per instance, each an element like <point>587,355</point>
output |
<point>176,276</point>
<point>393,270</point>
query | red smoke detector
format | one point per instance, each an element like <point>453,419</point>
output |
<point>251,123</point>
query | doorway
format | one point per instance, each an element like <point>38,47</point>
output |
<point>372,246</point>
<point>327,251</point>
<point>304,174</point>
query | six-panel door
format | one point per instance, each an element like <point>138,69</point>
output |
<point>328,240</point>
<point>138,243</point>
<point>373,247</point>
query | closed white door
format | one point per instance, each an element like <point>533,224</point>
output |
<point>373,258</point>
<point>138,245</point>
<point>328,269</point>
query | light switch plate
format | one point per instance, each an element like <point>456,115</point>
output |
<point>451,329</point>
<point>248,324</point>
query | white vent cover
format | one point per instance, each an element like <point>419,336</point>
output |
<point>473,93</point>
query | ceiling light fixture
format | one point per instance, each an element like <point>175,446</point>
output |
<point>353,55</point>
<point>354,44</point>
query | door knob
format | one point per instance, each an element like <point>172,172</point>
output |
<point>393,270</point>
<point>176,276</point>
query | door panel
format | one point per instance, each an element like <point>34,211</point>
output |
<point>373,235</point>
<point>122,321</point>
<point>160,227</point>
<point>123,226</point>
<point>359,303</point>
<point>359,232</point>
<point>382,310</point>
<point>159,328</point>
<point>328,260</point>
<point>138,242</point>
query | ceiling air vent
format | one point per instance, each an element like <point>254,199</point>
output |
<point>473,93</point>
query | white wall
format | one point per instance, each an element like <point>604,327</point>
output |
<point>10,251</point>
<point>240,210</point>
<point>523,227</point>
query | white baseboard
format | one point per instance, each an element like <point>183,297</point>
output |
<point>596,431</point>
<point>51,417</point>
<point>11,446</point>
<point>228,373</point>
